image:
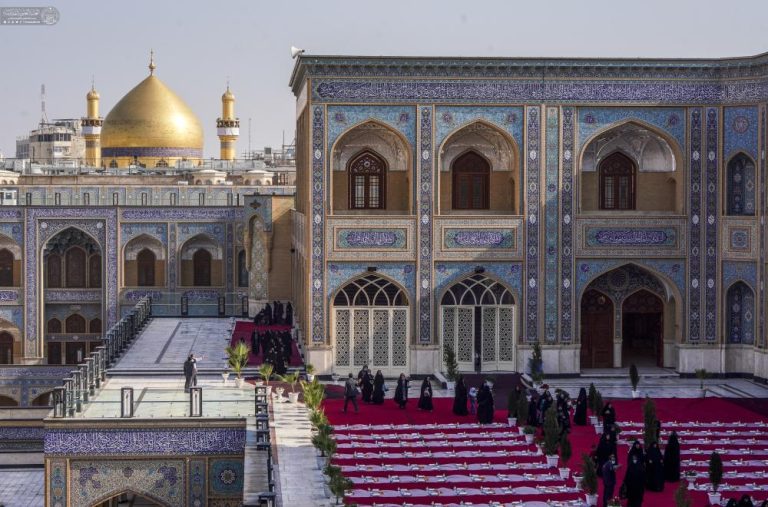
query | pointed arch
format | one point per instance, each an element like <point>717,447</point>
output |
<point>386,144</point>
<point>740,185</point>
<point>201,262</point>
<point>75,267</point>
<point>740,314</point>
<point>144,262</point>
<point>657,157</point>
<point>500,152</point>
<point>367,181</point>
<point>75,323</point>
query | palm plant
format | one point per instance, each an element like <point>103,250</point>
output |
<point>265,370</point>
<point>291,378</point>
<point>237,357</point>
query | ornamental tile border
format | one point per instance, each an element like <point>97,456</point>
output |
<point>532,157</point>
<point>551,222</point>
<point>425,172</point>
<point>739,239</point>
<point>566,225</point>
<point>511,228</point>
<point>104,221</point>
<point>589,270</point>
<point>9,295</point>
<point>358,238</point>
<point>402,228</point>
<point>143,442</point>
<point>588,229</point>
<point>635,237</point>
<point>340,273</point>
<point>317,217</point>
<point>188,230</point>
<point>225,477</point>
<point>197,489</point>
<point>343,118</point>
<point>670,120</point>
<point>56,476</point>
<point>711,227</point>
<point>260,206</point>
<point>129,231</point>
<point>761,300</point>
<point>195,213</point>
<point>68,295</point>
<point>694,227</point>
<point>740,132</point>
<point>14,230</point>
<point>451,119</point>
<point>739,271</point>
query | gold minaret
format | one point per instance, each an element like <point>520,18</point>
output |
<point>228,127</point>
<point>91,126</point>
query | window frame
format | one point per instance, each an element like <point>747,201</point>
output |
<point>356,169</point>
<point>606,174</point>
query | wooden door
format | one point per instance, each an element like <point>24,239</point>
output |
<point>596,330</point>
<point>54,352</point>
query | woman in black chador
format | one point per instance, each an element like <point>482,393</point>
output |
<point>672,459</point>
<point>609,417</point>
<point>580,415</point>
<point>401,392</point>
<point>636,450</point>
<point>425,398</point>
<point>460,398</point>
<point>605,448</point>
<point>378,388</point>
<point>366,386</point>
<point>634,481</point>
<point>654,468</point>
<point>485,405</point>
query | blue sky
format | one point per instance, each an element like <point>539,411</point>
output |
<point>198,44</point>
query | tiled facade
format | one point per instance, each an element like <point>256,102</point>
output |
<point>703,113</point>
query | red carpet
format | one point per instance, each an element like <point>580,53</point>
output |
<point>243,332</point>
<point>415,458</point>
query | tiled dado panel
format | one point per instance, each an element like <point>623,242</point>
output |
<point>385,239</point>
<point>739,239</point>
<point>630,237</point>
<point>478,238</point>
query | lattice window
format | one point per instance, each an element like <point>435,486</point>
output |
<point>741,311</point>
<point>466,326</point>
<point>617,182</point>
<point>740,186</point>
<point>478,290</point>
<point>449,327</point>
<point>370,290</point>
<point>489,334</point>
<point>506,337</point>
<point>367,182</point>
<point>381,337</point>
<point>361,339</point>
<point>342,337</point>
<point>399,337</point>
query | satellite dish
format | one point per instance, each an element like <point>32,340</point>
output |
<point>296,51</point>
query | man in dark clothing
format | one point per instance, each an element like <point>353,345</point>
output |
<point>285,336</point>
<point>609,479</point>
<point>289,314</point>
<point>350,392</point>
<point>190,373</point>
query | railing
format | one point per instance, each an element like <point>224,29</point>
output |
<point>87,377</point>
<point>199,302</point>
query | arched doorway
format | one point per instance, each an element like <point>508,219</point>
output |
<point>6,348</point>
<point>145,268</point>
<point>6,268</point>
<point>371,326</point>
<point>201,260</point>
<point>642,329</point>
<point>596,330</point>
<point>471,189</point>
<point>478,322</point>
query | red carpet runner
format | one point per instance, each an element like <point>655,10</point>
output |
<point>410,457</point>
<point>243,331</point>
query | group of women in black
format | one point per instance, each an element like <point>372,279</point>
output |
<point>372,387</point>
<point>485,406</point>
<point>276,347</point>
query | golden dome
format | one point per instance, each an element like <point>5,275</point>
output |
<point>92,95</point>
<point>151,121</point>
<point>228,95</point>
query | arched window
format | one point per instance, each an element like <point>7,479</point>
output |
<point>75,324</point>
<point>740,186</point>
<point>6,268</point>
<point>471,189</point>
<point>741,314</point>
<point>617,182</point>
<point>94,326</point>
<point>367,182</point>
<point>6,348</point>
<point>201,262</point>
<point>53,265</point>
<point>242,271</point>
<point>94,271</point>
<point>75,258</point>
<point>54,326</point>
<point>145,268</point>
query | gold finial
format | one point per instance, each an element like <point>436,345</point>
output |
<point>152,65</point>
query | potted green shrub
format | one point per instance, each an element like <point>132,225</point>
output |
<point>588,482</point>
<point>551,436</point>
<point>314,392</point>
<point>649,422</point>
<point>529,432</point>
<point>682,498</point>
<point>310,369</point>
<point>591,403</point>
<point>337,483</point>
<point>451,366</point>
<point>522,413</point>
<point>266,370</point>
<point>291,379</point>
<point>512,400</point>
<point>536,365</point>
<point>634,378</point>
<point>237,359</point>
<point>715,477</point>
<point>702,374</point>
<point>566,451</point>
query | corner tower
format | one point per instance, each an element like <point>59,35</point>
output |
<point>91,126</point>
<point>228,127</point>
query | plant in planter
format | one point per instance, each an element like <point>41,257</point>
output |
<point>337,483</point>
<point>702,374</point>
<point>291,379</point>
<point>451,366</point>
<point>529,432</point>
<point>682,498</point>
<point>649,422</point>
<point>715,477</point>
<point>634,378</point>
<point>551,436</point>
<point>536,364</point>
<point>588,482</point>
<point>512,401</point>
<point>314,392</point>
<point>237,358</point>
<point>522,411</point>
<point>597,409</point>
<point>566,452</point>
<point>317,418</point>
<point>266,370</point>
<point>310,369</point>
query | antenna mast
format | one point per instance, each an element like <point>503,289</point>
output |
<point>43,114</point>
